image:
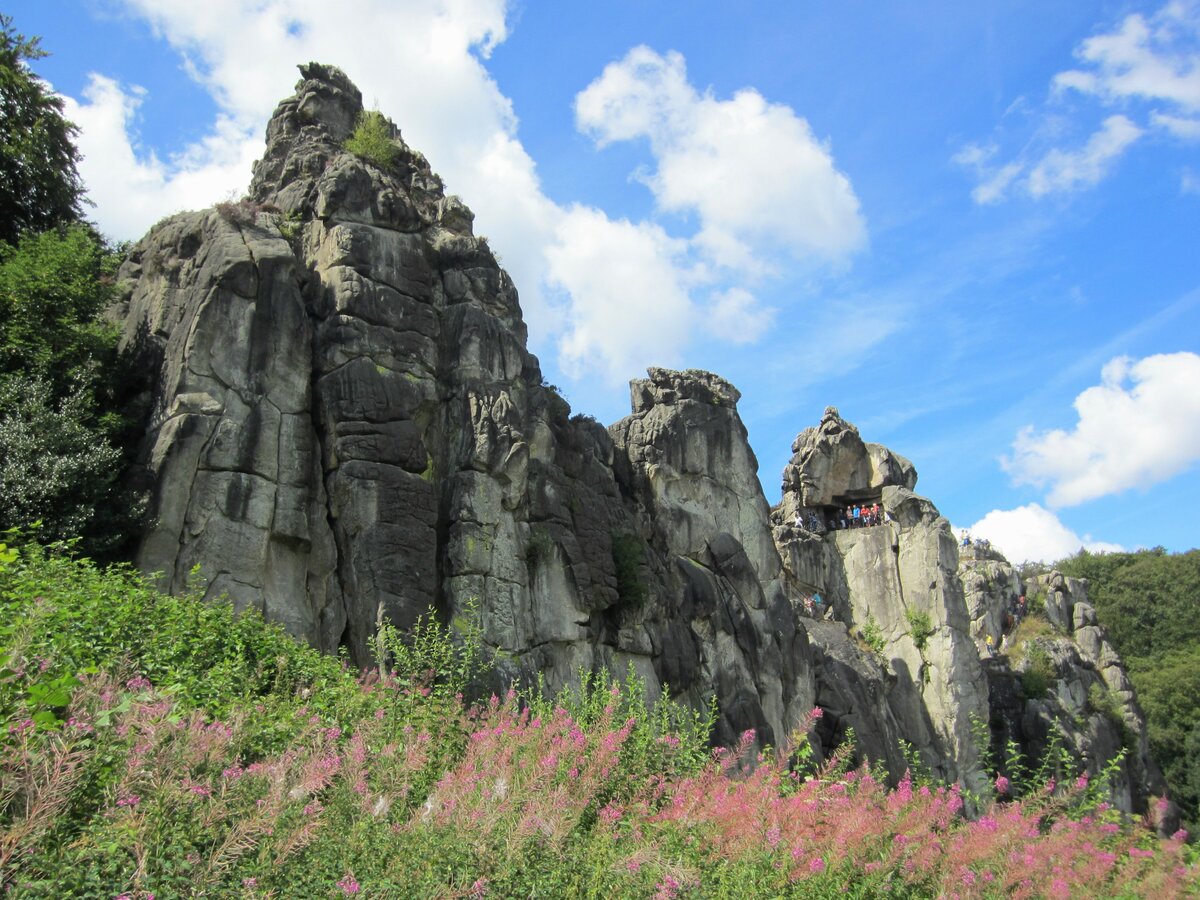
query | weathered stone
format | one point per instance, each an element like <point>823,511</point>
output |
<point>347,420</point>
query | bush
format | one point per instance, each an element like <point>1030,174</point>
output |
<point>919,626</point>
<point>872,635</point>
<point>373,139</point>
<point>1038,674</point>
<point>629,555</point>
<point>317,782</point>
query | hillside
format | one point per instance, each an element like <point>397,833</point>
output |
<point>160,746</point>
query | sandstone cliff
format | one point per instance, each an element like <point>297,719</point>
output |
<point>347,424</point>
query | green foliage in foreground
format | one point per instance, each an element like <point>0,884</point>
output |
<point>157,746</point>
<point>1148,602</point>
<point>60,380</point>
<point>372,139</point>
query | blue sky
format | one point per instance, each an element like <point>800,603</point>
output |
<point>974,228</point>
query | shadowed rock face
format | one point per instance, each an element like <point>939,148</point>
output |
<point>347,423</point>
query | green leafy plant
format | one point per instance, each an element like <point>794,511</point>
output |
<point>920,627</point>
<point>872,635</point>
<point>373,139</point>
<point>1038,673</point>
<point>629,556</point>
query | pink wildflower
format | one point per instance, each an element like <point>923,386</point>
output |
<point>131,800</point>
<point>1082,781</point>
<point>349,885</point>
<point>1001,784</point>
<point>1181,835</point>
<point>479,888</point>
<point>137,683</point>
<point>816,865</point>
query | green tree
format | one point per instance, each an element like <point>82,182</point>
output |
<point>39,184</point>
<point>53,288</point>
<point>56,468</point>
<point>1147,601</point>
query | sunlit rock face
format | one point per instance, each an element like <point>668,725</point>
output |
<point>347,427</point>
<point>895,582</point>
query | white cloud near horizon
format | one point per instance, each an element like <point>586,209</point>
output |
<point>424,65</point>
<point>752,172</point>
<point>1033,533</point>
<point>1148,67</point>
<point>1140,426</point>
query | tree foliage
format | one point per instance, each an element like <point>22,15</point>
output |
<point>63,435</point>
<point>373,139</point>
<point>40,187</point>
<point>1148,603</point>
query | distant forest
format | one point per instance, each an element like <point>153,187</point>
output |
<point>1149,602</point>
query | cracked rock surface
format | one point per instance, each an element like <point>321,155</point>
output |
<point>347,424</point>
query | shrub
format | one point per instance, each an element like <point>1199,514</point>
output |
<point>919,626</point>
<point>629,555</point>
<point>872,635</point>
<point>386,787</point>
<point>373,139</point>
<point>1038,674</point>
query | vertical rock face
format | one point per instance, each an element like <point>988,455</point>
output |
<point>897,581</point>
<point>347,423</point>
<point>347,420</point>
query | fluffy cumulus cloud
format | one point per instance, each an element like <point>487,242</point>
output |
<point>1034,534</point>
<point>458,116</point>
<point>132,189</point>
<point>752,172</point>
<point>1147,67</point>
<point>1138,427</point>
<point>629,297</point>
<point>611,296</point>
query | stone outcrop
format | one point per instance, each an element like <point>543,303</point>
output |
<point>347,424</point>
<point>896,581</point>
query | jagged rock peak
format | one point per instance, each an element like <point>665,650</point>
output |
<point>667,387</point>
<point>306,172</point>
<point>831,464</point>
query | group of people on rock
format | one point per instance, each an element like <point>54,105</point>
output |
<point>814,605</point>
<point>978,543</point>
<point>858,516</point>
<point>1014,613</point>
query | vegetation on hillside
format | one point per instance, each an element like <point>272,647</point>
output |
<point>160,746</point>
<point>1149,602</point>
<point>62,445</point>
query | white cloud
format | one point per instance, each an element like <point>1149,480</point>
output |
<point>1189,182</point>
<point>751,171</point>
<point>629,302</point>
<point>1150,68</point>
<point>1034,534</point>
<point>583,278</point>
<point>738,317</point>
<point>131,190</point>
<point>1061,171</point>
<point>1155,60</point>
<point>1183,128</point>
<point>1127,436</point>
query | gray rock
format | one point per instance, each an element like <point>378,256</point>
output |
<point>346,421</point>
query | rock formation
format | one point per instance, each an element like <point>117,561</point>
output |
<point>347,424</point>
